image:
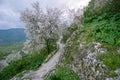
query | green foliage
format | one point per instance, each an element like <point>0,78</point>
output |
<point>98,7</point>
<point>68,33</point>
<point>89,19</point>
<point>111,60</point>
<point>105,28</point>
<point>29,62</point>
<point>52,46</point>
<point>113,5</point>
<point>64,74</point>
<point>106,32</point>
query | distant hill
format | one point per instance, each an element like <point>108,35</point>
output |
<point>12,36</point>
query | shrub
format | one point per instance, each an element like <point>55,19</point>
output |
<point>111,60</point>
<point>64,74</point>
<point>106,28</point>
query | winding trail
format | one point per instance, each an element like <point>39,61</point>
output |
<point>48,66</point>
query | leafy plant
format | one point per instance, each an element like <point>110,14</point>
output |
<point>111,60</point>
<point>105,28</point>
<point>64,74</point>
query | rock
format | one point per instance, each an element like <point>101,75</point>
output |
<point>13,57</point>
<point>93,69</point>
<point>9,59</point>
<point>117,72</point>
<point>97,45</point>
<point>89,66</point>
<point>103,51</point>
<point>109,79</point>
<point>3,64</point>
<point>118,51</point>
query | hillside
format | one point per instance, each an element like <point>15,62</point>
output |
<point>12,36</point>
<point>88,51</point>
<point>93,50</point>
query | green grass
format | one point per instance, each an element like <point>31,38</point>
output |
<point>102,24</point>
<point>64,74</point>
<point>29,62</point>
<point>111,60</point>
<point>6,50</point>
<point>104,28</point>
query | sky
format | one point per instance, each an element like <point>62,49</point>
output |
<point>10,9</point>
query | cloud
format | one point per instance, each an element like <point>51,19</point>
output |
<point>10,9</point>
<point>77,4</point>
<point>9,18</point>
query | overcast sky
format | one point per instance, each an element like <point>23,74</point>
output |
<point>10,9</point>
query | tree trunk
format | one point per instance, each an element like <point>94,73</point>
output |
<point>48,46</point>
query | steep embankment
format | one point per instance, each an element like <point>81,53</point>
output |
<point>83,57</point>
<point>93,51</point>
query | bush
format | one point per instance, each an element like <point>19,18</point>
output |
<point>105,28</point>
<point>30,62</point>
<point>64,74</point>
<point>111,60</point>
<point>105,6</point>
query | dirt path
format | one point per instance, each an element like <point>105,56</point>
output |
<point>48,66</point>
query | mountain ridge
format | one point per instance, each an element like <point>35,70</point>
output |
<point>12,36</point>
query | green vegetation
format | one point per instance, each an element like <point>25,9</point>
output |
<point>64,74</point>
<point>68,32</point>
<point>105,28</point>
<point>29,62</point>
<point>6,50</point>
<point>102,24</point>
<point>111,60</point>
<point>104,6</point>
<point>103,21</point>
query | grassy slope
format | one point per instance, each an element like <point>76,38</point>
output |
<point>102,24</point>
<point>30,62</point>
<point>6,50</point>
<point>105,29</point>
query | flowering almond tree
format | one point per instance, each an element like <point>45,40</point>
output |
<point>42,27</point>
